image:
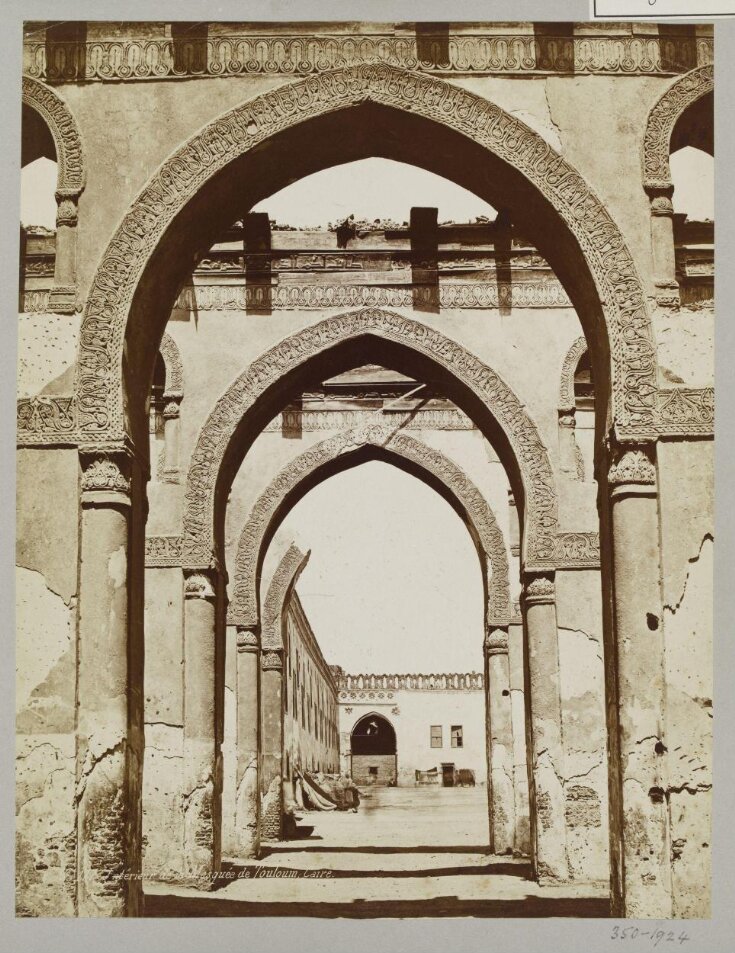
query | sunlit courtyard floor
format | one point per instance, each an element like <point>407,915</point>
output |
<point>408,852</point>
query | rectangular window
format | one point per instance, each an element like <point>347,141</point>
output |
<point>436,736</point>
<point>456,736</point>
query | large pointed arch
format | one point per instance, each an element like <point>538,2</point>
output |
<point>221,446</point>
<point>127,308</point>
<point>352,447</point>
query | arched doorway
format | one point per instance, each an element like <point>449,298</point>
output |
<point>374,753</point>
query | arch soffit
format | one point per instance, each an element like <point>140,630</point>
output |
<point>281,585</point>
<point>174,368</point>
<point>568,370</point>
<point>99,383</point>
<point>662,118</point>
<point>71,175</point>
<point>373,714</point>
<point>243,610</point>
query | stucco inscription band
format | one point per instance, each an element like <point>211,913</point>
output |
<point>99,381</point>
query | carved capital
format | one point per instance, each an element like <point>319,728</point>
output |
<point>634,465</point>
<point>272,660</point>
<point>172,408</point>
<point>247,640</point>
<point>66,209</point>
<point>496,642</point>
<point>538,590</point>
<point>567,420</point>
<point>199,585</point>
<point>106,475</point>
<point>661,203</point>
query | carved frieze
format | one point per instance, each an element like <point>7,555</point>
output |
<point>162,551</point>
<point>284,297</point>
<point>480,121</point>
<point>130,59</point>
<point>577,551</point>
<point>378,687</point>
<point>307,421</point>
<point>686,411</point>
<point>46,420</point>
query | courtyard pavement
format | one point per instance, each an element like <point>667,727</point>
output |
<point>407,852</point>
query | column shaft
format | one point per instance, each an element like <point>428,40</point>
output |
<point>639,649</point>
<point>108,763</point>
<point>247,797</point>
<point>522,833</point>
<point>662,246</point>
<point>546,762</point>
<point>199,797</point>
<point>271,785</point>
<point>502,815</point>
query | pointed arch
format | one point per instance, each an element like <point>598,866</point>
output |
<point>279,592</point>
<point>606,282</point>
<point>568,370</point>
<point>174,368</point>
<point>526,460</point>
<point>665,113</point>
<point>343,449</point>
<point>57,116</point>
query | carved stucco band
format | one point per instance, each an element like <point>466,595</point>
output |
<point>577,551</point>
<point>493,392</point>
<point>569,369</point>
<point>243,609</point>
<point>52,421</point>
<point>661,121</point>
<point>174,368</point>
<point>162,551</point>
<point>71,173</point>
<point>100,377</point>
<point>280,588</point>
<point>458,51</point>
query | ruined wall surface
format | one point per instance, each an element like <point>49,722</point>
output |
<point>46,660</point>
<point>581,677</point>
<point>686,501</point>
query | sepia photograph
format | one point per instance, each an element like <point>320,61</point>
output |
<point>365,471</point>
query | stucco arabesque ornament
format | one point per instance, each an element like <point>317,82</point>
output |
<point>99,382</point>
<point>293,352</point>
